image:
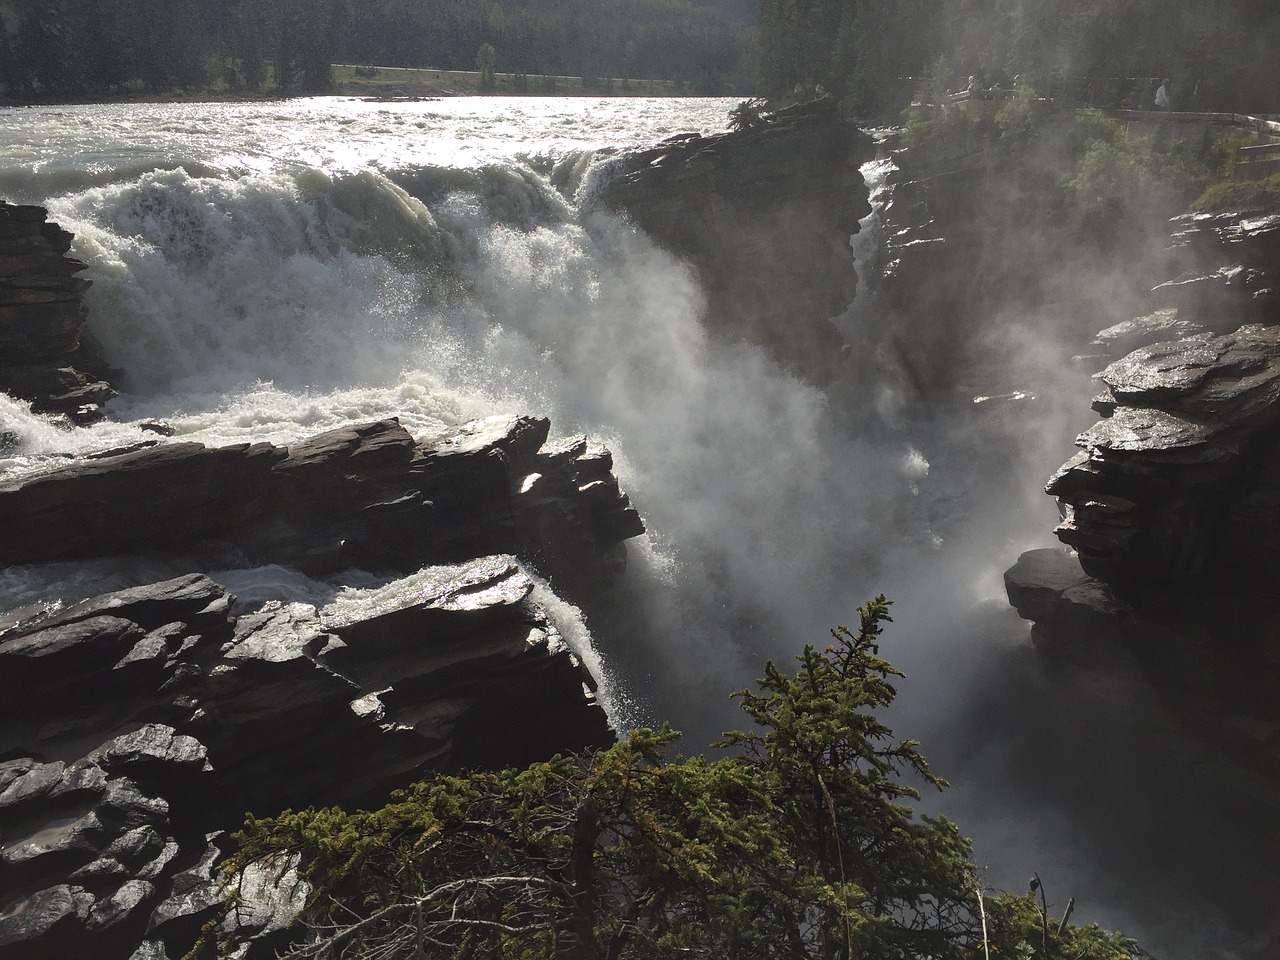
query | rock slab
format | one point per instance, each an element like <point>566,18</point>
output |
<point>42,315</point>
<point>138,726</point>
<point>366,496</point>
<point>764,216</point>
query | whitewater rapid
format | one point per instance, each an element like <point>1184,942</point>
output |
<point>269,271</point>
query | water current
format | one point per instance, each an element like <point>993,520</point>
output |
<point>267,271</point>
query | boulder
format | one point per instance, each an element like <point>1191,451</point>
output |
<point>764,216</point>
<point>368,495</point>
<point>42,315</point>
<point>141,725</point>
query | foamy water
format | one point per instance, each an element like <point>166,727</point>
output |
<point>268,271</point>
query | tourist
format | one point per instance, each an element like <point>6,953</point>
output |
<point>1162,96</point>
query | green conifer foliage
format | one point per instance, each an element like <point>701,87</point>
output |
<point>799,842</point>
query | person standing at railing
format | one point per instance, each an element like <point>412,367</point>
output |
<point>1163,100</point>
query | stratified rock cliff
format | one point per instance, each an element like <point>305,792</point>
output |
<point>1172,507</point>
<point>764,216</point>
<point>41,318</point>
<point>137,727</point>
<point>366,496</point>
<point>140,725</point>
<point>1177,480</point>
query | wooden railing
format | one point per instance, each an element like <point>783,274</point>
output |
<point>1262,127</point>
<point>1257,163</point>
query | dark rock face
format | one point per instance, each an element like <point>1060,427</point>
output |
<point>363,496</point>
<point>1173,504</point>
<point>1177,480</point>
<point>764,217</point>
<point>1232,269</point>
<point>91,844</point>
<point>139,725</point>
<point>1214,658</point>
<point>41,316</point>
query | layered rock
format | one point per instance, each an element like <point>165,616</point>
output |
<point>366,496</point>
<point>137,727</point>
<point>93,845</point>
<point>764,216</point>
<point>140,725</point>
<point>1212,653</point>
<point>42,315</point>
<point>1173,505</point>
<point>1178,478</point>
<point>1233,268</point>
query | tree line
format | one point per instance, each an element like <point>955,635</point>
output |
<point>1220,54</point>
<point>62,49</point>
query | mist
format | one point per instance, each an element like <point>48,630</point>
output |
<point>273,305</point>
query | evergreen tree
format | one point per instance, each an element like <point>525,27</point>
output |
<point>801,844</point>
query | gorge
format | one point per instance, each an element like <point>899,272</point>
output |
<point>369,341</point>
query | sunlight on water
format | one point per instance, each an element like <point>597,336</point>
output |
<point>50,150</point>
<point>264,272</point>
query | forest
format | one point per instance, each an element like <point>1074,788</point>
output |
<point>64,49</point>
<point>1221,54</point>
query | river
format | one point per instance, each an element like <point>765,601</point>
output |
<point>267,271</point>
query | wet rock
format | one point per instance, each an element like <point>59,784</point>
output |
<point>89,845</point>
<point>764,216</point>
<point>119,658</point>
<point>42,315</point>
<point>1173,504</point>
<point>193,899</point>
<point>42,924</point>
<point>1049,588</point>
<point>361,496</point>
<point>1178,478</point>
<point>1234,275</point>
<point>1165,324</point>
<point>114,849</point>
<point>459,664</point>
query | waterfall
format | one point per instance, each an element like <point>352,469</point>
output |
<point>268,271</point>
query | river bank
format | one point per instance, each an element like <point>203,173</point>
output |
<point>411,83</point>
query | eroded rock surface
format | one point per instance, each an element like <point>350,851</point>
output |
<point>137,727</point>
<point>1172,507</point>
<point>764,216</point>
<point>41,319</point>
<point>1177,480</point>
<point>140,725</point>
<point>365,496</point>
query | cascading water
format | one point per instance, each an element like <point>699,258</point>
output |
<point>264,272</point>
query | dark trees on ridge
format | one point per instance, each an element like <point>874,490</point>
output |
<point>1222,56</point>
<point>65,49</point>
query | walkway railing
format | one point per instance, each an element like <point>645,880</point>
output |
<point>1263,128</point>
<point>1257,163</point>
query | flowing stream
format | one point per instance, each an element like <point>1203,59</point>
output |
<point>268,271</point>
